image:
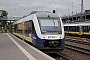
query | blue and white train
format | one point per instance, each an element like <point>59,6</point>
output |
<point>45,30</point>
<point>77,29</point>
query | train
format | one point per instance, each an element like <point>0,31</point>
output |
<point>43,29</point>
<point>77,29</point>
<point>87,12</point>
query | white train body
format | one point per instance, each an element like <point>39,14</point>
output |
<point>46,30</point>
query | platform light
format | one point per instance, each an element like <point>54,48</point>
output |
<point>13,27</point>
<point>12,21</point>
<point>8,21</point>
<point>2,27</point>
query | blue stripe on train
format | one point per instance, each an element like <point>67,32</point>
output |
<point>36,39</point>
<point>63,41</point>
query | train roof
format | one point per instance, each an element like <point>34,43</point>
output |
<point>23,19</point>
<point>46,14</point>
<point>38,14</point>
<point>77,24</point>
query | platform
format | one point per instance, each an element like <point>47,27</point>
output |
<point>12,48</point>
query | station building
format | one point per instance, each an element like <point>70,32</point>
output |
<point>6,23</point>
<point>78,17</point>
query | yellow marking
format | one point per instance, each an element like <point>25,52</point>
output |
<point>42,53</point>
<point>25,37</point>
<point>72,32</point>
<point>30,57</point>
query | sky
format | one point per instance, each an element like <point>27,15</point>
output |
<point>24,7</point>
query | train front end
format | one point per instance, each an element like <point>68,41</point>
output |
<point>49,32</point>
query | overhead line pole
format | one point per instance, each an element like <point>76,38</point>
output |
<point>81,10</point>
<point>72,11</point>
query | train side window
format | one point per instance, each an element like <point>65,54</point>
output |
<point>30,27</point>
<point>74,28</point>
<point>86,27</point>
<point>89,27</point>
<point>33,29</point>
<point>78,29</point>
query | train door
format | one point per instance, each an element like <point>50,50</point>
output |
<point>32,32</point>
<point>89,29</point>
<point>80,30</point>
<point>31,29</point>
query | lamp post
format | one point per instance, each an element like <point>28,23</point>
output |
<point>81,10</point>
<point>2,28</point>
<point>23,30</point>
<point>1,13</point>
<point>68,14</point>
<point>0,4</point>
<point>85,16</point>
<point>72,11</point>
<point>13,29</point>
<point>65,15</point>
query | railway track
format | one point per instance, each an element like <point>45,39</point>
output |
<point>80,38</point>
<point>70,54</point>
<point>85,42</point>
<point>78,49</point>
<point>76,44</point>
<point>74,55</point>
<point>58,56</point>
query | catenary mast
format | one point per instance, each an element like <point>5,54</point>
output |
<point>81,10</point>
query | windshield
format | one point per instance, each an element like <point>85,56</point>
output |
<point>50,25</point>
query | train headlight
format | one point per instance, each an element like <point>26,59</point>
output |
<point>34,37</point>
<point>43,36</point>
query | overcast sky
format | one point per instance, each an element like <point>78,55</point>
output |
<point>24,7</point>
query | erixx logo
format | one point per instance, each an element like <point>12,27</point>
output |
<point>52,36</point>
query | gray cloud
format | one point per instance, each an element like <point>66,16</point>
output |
<point>23,7</point>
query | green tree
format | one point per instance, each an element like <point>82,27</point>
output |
<point>5,13</point>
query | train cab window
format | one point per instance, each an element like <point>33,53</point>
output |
<point>50,25</point>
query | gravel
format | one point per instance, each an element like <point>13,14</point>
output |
<point>74,55</point>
